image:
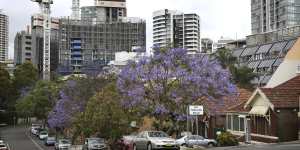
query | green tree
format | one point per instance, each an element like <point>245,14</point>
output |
<point>5,87</point>
<point>105,116</point>
<point>241,75</point>
<point>225,58</point>
<point>25,76</point>
<point>40,100</point>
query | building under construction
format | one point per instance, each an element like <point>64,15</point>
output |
<point>93,39</point>
<point>85,43</point>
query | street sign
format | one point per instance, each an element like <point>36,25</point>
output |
<point>196,110</point>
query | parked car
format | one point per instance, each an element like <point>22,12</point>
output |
<point>35,130</point>
<point>43,135</point>
<point>62,144</point>
<point>193,140</point>
<point>94,144</point>
<point>50,141</point>
<point>3,146</point>
<point>149,140</point>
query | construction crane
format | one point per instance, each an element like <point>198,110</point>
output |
<point>45,7</point>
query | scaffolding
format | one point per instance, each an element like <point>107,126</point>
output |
<point>99,41</point>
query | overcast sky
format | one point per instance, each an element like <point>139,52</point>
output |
<point>228,18</point>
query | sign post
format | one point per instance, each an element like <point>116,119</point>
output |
<point>196,110</point>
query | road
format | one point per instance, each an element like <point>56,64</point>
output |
<point>291,146</point>
<point>19,138</point>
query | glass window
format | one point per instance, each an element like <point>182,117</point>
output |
<point>242,127</point>
<point>235,123</point>
<point>229,122</point>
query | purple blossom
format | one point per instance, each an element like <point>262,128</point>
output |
<point>172,78</point>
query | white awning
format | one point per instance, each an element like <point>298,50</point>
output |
<point>259,110</point>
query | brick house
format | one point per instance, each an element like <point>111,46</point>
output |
<point>273,113</point>
<point>214,117</point>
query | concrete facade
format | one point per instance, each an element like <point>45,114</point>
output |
<point>37,42</point>
<point>22,47</point>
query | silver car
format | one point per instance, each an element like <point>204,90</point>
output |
<point>150,140</point>
<point>193,140</point>
<point>94,144</point>
<point>63,144</point>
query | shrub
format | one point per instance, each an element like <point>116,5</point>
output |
<point>227,139</point>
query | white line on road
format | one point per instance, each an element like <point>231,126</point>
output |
<point>36,144</point>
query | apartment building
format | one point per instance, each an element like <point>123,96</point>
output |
<point>177,29</point>
<point>22,47</point>
<point>271,15</point>
<point>3,36</point>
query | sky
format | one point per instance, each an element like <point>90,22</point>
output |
<point>227,18</point>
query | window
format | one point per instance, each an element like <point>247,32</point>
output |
<point>235,122</point>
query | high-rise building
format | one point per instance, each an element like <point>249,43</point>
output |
<point>104,11</point>
<point>3,36</point>
<point>176,29</point>
<point>271,15</point>
<point>37,42</point>
<point>83,44</point>
<point>75,9</point>
<point>22,47</point>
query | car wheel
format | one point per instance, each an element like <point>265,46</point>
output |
<point>210,144</point>
<point>149,146</point>
<point>184,145</point>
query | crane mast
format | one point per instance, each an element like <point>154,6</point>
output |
<point>45,7</point>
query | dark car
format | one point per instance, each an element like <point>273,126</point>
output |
<point>50,141</point>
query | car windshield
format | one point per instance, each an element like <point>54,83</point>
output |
<point>96,140</point>
<point>65,142</point>
<point>43,133</point>
<point>51,138</point>
<point>157,134</point>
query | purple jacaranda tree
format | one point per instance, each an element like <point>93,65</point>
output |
<point>73,98</point>
<point>164,84</point>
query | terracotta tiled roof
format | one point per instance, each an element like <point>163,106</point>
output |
<point>285,95</point>
<point>292,84</point>
<point>221,106</point>
<point>243,98</point>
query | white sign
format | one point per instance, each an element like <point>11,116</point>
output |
<point>196,110</point>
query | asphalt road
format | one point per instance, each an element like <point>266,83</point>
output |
<point>19,138</point>
<point>291,146</point>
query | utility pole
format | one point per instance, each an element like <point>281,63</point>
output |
<point>45,6</point>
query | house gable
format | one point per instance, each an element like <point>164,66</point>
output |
<point>258,98</point>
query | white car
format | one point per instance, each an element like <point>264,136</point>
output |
<point>193,140</point>
<point>63,144</point>
<point>35,130</point>
<point>43,135</point>
<point>3,146</point>
<point>149,140</point>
